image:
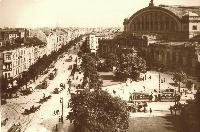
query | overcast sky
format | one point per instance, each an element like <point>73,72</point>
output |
<point>84,13</point>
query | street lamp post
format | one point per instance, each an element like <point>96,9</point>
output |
<point>159,81</point>
<point>159,96</point>
<point>134,98</point>
<point>175,102</point>
<point>61,101</point>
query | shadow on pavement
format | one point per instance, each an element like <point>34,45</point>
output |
<point>175,123</point>
<point>156,124</point>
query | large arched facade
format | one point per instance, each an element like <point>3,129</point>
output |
<point>163,22</point>
<point>154,19</point>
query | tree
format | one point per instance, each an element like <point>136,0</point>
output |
<point>4,85</point>
<point>91,76</point>
<point>23,80</point>
<point>179,77</point>
<point>85,48</point>
<point>98,111</point>
<point>189,84</point>
<point>197,96</point>
<point>110,61</point>
<point>130,66</point>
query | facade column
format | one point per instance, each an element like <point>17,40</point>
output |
<point>153,22</point>
<point>164,24</point>
<point>140,24</point>
<point>158,23</point>
<point>149,19</point>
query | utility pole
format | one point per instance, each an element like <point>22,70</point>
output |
<point>175,102</point>
<point>159,81</point>
<point>134,97</point>
<point>61,101</point>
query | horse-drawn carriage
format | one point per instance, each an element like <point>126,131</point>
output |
<point>136,107</point>
<point>26,91</point>
<point>15,128</point>
<point>32,109</point>
<point>56,91</point>
<point>44,99</point>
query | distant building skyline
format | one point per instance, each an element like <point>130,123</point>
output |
<point>76,13</point>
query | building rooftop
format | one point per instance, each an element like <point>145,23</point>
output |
<point>185,44</point>
<point>33,41</point>
<point>181,11</point>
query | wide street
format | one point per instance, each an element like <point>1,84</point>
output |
<point>44,119</point>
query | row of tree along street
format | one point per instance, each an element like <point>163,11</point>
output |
<point>95,110</point>
<point>38,68</point>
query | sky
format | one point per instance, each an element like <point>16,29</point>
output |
<point>74,13</point>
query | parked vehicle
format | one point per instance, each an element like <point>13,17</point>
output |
<point>15,128</point>
<point>44,99</point>
<point>26,91</point>
<point>3,101</point>
<point>46,71</point>
<point>52,74</point>
<point>68,60</point>
<point>56,91</point>
<point>51,66</point>
<point>62,85</point>
<point>70,67</point>
<point>32,109</point>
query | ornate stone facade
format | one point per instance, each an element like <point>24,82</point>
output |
<point>171,55</point>
<point>165,22</point>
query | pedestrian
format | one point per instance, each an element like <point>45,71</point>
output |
<point>171,110</point>
<point>56,127</point>
<point>145,109</point>
<point>69,90</point>
<point>114,91</point>
<point>164,79</point>
<point>150,110</point>
<point>150,77</point>
<point>68,104</point>
<point>130,97</point>
<point>145,77</point>
<point>54,112</point>
<point>57,112</point>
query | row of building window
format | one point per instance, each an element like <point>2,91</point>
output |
<point>152,26</point>
<point>176,57</point>
<point>15,71</point>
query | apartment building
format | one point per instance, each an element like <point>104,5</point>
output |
<point>92,41</point>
